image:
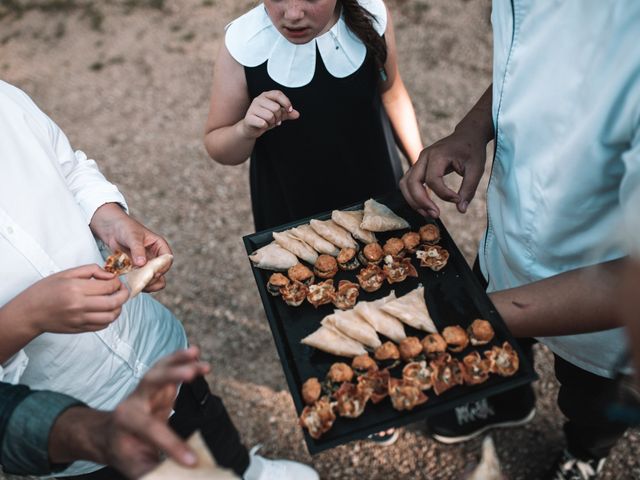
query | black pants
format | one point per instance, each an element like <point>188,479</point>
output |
<point>583,399</point>
<point>197,409</point>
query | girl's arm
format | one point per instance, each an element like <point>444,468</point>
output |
<point>234,122</point>
<point>397,103</point>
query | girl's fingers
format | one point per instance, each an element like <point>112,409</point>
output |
<point>266,115</point>
<point>256,122</point>
<point>280,98</point>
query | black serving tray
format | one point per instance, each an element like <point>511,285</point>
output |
<point>454,296</point>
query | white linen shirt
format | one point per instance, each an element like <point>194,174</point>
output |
<point>566,111</point>
<point>48,196</point>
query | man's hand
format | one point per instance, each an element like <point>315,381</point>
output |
<point>463,152</point>
<point>130,438</point>
<point>82,299</point>
<point>455,153</point>
<point>121,232</point>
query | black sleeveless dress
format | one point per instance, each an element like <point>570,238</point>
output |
<point>339,151</point>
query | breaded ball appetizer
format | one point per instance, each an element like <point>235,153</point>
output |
<point>326,266</point>
<point>456,338</point>
<point>276,282</point>
<point>311,390</point>
<point>410,348</point>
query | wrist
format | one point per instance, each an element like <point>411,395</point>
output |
<point>104,219</point>
<point>245,132</point>
<point>79,433</point>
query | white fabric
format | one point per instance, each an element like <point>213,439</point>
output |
<point>252,40</point>
<point>566,108</point>
<point>49,193</point>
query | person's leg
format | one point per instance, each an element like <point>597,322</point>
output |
<point>196,408</point>
<point>512,408</point>
<point>583,399</point>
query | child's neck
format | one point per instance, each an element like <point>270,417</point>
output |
<point>334,19</point>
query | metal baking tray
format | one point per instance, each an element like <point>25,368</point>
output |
<point>454,296</point>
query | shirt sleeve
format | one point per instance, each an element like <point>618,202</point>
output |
<point>630,197</point>
<point>12,369</point>
<point>90,188</point>
<point>26,419</point>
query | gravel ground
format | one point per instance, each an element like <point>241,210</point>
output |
<point>129,83</point>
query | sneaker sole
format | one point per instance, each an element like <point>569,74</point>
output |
<point>386,443</point>
<point>464,438</point>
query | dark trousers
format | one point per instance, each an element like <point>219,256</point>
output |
<point>196,408</point>
<point>583,399</point>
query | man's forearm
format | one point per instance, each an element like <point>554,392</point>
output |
<point>27,422</point>
<point>479,120</point>
<point>79,434</point>
<point>574,302</point>
<point>16,330</point>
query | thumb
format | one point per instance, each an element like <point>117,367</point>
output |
<point>136,247</point>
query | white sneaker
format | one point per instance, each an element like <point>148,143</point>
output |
<point>261,468</point>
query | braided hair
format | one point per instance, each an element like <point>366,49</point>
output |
<point>360,22</point>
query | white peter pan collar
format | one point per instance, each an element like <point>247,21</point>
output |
<point>252,39</point>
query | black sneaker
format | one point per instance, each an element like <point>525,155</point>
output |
<point>385,438</point>
<point>569,467</point>
<point>470,420</point>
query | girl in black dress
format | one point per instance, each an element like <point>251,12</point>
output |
<point>305,87</point>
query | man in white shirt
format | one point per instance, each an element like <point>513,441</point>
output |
<point>54,204</point>
<point>564,112</point>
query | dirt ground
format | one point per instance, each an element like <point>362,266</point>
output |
<point>128,81</point>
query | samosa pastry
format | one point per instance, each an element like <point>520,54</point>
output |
<point>354,326</point>
<point>273,257</point>
<point>318,243</point>
<point>205,469</point>
<point>382,322</point>
<point>380,218</point>
<point>350,220</point>
<point>299,248</point>
<point>330,340</point>
<point>412,310</point>
<point>138,278</point>
<point>334,233</point>
<point>118,263</point>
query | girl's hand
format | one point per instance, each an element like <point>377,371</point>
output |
<point>82,299</point>
<point>268,110</point>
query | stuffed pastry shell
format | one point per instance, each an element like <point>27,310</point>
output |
<point>382,322</point>
<point>350,220</point>
<point>273,257</point>
<point>315,241</point>
<point>334,233</point>
<point>332,341</point>
<point>354,326</point>
<point>299,248</point>
<point>412,310</point>
<point>380,218</point>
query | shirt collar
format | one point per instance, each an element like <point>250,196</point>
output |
<point>252,40</point>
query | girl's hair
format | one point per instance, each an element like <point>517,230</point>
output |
<point>360,22</point>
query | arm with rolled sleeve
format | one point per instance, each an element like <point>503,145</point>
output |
<point>26,420</point>
<point>90,188</point>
